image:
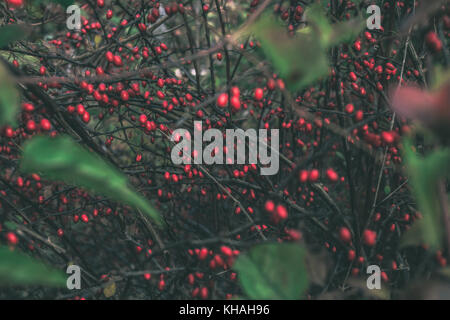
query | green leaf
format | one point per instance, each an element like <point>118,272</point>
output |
<point>19,269</point>
<point>319,23</point>
<point>63,159</point>
<point>340,155</point>
<point>344,32</point>
<point>9,98</point>
<point>332,34</point>
<point>10,225</point>
<point>424,174</point>
<point>10,33</point>
<point>300,59</point>
<point>273,271</point>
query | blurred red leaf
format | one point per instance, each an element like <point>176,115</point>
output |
<point>431,108</point>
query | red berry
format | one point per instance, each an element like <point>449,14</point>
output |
<point>303,176</point>
<point>15,3</point>
<point>269,206</point>
<point>332,175</point>
<point>86,117</point>
<point>31,125</point>
<point>117,60</point>
<point>313,175</point>
<point>124,95</point>
<point>203,253</point>
<point>359,115</point>
<point>235,102</point>
<point>9,132</point>
<point>12,238</point>
<point>80,109</point>
<point>226,251</point>
<point>109,56</point>
<point>235,92</point>
<point>204,293</point>
<point>281,212</point>
<point>351,255</point>
<point>345,235</point>
<point>259,93</point>
<point>387,137</point>
<point>222,100</point>
<point>349,108</point>
<point>142,118</point>
<point>27,107</point>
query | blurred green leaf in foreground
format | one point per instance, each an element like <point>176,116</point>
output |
<point>11,33</point>
<point>63,159</point>
<point>425,174</point>
<point>301,59</point>
<point>273,271</point>
<point>9,98</point>
<point>19,269</point>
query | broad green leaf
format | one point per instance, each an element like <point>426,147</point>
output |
<point>299,59</point>
<point>63,159</point>
<point>424,174</point>
<point>19,269</point>
<point>9,98</point>
<point>10,33</point>
<point>273,271</point>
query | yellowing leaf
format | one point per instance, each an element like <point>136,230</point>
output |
<point>97,40</point>
<point>110,289</point>
<point>301,59</point>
